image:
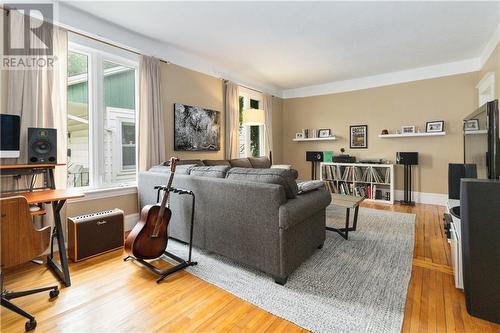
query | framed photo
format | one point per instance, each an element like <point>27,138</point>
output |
<point>358,136</point>
<point>407,129</point>
<point>324,133</point>
<point>299,135</point>
<point>471,125</point>
<point>434,126</point>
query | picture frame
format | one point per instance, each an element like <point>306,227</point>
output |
<point>471,125</point>
<point>434,126</point>
<point>299,135</point>
<point>407,129</point>
<point>188,120</point>
<point>324,133</point>
<point>358,136</point>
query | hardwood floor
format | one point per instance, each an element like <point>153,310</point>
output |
<point>109,295</point>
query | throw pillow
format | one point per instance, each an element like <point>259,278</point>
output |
<point>260,162</point>
<point>310,185</point>
<point>241,163</point>
<point>216,162</point>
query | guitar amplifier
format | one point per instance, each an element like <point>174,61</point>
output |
<point>94,234</point>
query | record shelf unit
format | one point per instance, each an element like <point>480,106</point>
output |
<point>373,181</point>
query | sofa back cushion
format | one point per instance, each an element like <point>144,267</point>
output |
<point>215,171</point>
<point>185,162</point>
<point>260,162</point>
<point>241,163</point>
<point>285,178</point>
<point>180,169</point>
<point>216,162</point>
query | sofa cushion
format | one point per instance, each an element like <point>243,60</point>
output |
<point>180,169</point>
<point>216,162</point>
<point>215,171</point>
<point>281,177</point>
<point>185,162</point>
<point>309,185</point>
<point>241,163</point>
<point>260,162</point>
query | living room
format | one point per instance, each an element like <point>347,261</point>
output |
<point>298,164</point>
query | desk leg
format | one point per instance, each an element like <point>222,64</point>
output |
<point>62,269</point>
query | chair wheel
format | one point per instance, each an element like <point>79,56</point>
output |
<point>30,325</point>
<point>54,293</point>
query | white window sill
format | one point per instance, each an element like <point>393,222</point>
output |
<point>102,193</point>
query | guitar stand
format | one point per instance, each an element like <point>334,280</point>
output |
<point>182,263</point>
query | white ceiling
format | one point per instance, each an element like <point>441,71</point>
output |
<point>296,44</point>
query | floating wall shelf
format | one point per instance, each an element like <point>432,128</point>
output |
<point>333,138</point>
<point>410,135</point>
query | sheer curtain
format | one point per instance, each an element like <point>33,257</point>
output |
<point>267,101</point>
<point>151,121</point>
<point>232,120</point>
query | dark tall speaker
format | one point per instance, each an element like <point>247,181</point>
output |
<point>455,173</point>
<point>480,226</point>
<point>314,156</point>
<point>42,145</point>
<point>407,159</point>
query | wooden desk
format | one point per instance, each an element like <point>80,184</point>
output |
<point>32,169</point>
<point>349,202</point>
<point>57,198</point>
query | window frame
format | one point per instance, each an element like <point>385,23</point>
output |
<point>247,95</point>
<point>97,53</point>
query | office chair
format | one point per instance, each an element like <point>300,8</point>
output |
<point>21,242</point>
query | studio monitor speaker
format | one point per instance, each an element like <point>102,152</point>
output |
<point>314,156</point>
<point>407,158</point>
<point>42,145</point>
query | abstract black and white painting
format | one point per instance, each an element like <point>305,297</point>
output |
<point>196,128</point>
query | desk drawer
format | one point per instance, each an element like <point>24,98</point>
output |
<point>94,234</point>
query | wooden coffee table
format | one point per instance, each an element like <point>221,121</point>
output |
<point>349,202</point>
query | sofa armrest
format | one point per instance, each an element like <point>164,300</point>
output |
<point>302,207</point>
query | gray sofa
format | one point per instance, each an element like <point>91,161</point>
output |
<point>241,214</point>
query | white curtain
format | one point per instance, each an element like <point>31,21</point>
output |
<point>38,95</point>
<point>151,122</point>
<point>232,111</point>
<point>267,101</point>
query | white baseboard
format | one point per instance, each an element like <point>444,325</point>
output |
<point>130,221</point>
<point>424,197</point>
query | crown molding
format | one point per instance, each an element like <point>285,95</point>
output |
<point>490,46</point>
<point>77,20</point>
<point>416,74</point>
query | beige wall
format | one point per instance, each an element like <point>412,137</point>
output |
<point>492,65</point>
<point>448,98</point>
<point>127,203</point>
<point>182,85</point>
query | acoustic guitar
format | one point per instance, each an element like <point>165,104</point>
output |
<point>148,239</point>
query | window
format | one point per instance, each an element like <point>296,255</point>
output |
<point>102,136</point>
<point>251,136</point>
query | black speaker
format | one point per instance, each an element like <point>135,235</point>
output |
<point>455,173</point>
<point>314,156</point>
<point>479,220</point>
<point>42,145</point>
<point>407,158</point>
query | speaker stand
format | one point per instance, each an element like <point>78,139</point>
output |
<point>407,187</point>
<point>313,170</point>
